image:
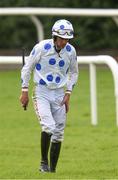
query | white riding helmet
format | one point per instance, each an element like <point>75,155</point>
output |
<point>63,28</point>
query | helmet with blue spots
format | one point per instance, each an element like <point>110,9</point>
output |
<point>63,28</point>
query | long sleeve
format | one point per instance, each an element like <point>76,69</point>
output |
<point>30,64</point>
<point>73,72</point>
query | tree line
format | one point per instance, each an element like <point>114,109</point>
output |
<point>90,32</point>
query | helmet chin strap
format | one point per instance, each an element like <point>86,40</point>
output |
<point>57,49</point>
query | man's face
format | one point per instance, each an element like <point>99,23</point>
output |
<point>60,42</point>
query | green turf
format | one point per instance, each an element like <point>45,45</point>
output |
<point>87,151</point>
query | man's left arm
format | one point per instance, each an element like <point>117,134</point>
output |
<point>73,76</point>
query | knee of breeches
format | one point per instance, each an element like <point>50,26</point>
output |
<point>49,128</point>
<point>57,136</point>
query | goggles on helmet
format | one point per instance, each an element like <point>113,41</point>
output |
<point>64,32</point>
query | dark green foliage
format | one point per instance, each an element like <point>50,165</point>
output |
<point>90,33</point>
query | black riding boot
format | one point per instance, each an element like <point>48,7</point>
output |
<point>45,143</point>
<point>54,155</point>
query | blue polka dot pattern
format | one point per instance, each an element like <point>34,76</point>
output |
<point>38,67</point>
<point>57,79</point>
<point>42,82</point>
<point>47,46</point>
<point>52,61</point>
<point>61,63</point>
<point>62,27</point>
<point>49,77</point>
<point>68,48</point>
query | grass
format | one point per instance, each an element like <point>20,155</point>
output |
<point>87,152</point>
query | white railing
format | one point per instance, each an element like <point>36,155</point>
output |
<point>32,12</point>
<point>59,11</point>
<point>112,64</point>
<point>92,61</point>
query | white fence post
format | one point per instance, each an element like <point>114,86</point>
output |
<point>113,65</point>
<point>117,110</point>
<point>39,27</point>
<point>93,96</point>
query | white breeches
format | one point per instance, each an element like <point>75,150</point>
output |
<point>51,114</point>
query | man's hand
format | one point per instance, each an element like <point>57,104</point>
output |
<point>24,99</point>
<point>66,101</point>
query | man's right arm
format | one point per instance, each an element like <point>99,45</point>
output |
<point>25,74</point>
<point>24,98</point>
